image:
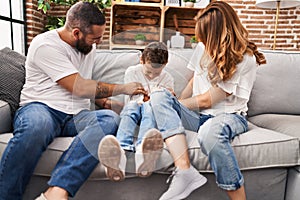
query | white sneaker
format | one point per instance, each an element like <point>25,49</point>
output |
<point>184,182</point>
<point>148,152</point>
<point>112,156</point>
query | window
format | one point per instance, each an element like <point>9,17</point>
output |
<point>13,26</point>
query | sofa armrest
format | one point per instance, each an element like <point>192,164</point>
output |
<point>5,116</point>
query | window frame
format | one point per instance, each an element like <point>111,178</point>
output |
<point>11,21</point>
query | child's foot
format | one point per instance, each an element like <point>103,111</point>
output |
<point>184,182</point>
<point>148,153</point>
<point>112,156</point>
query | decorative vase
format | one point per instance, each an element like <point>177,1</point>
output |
<point>177,41</point>
<point>189,4</point>
<point>139,42</point>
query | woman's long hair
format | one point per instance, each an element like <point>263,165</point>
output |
<point>226,40</point>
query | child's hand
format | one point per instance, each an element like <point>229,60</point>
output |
<point>146,98</point>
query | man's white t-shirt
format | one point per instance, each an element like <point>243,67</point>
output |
<point>50,59</point>
<point>239,86</point>
<point>135,74</point>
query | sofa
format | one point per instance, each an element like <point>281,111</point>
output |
<point>268,154</point>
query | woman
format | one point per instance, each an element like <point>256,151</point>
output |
<point>214,103</point>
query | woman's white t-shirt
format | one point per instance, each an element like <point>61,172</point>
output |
<point>50,59</point>
<point>239,86</point>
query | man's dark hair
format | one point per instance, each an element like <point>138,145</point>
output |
<point>83,15</point>
<point>155,53</point>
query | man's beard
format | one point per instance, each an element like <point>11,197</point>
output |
<point>82,47</point>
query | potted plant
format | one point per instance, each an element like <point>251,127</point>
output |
<point>139,39</point>
<point>193,41</point>
<point>54,22</point>
<point>189,3</point>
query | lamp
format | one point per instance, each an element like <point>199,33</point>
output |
<point>272,4</point>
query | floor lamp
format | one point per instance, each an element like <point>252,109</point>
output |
<point>277,4</point>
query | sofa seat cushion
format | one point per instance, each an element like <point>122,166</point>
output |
<point>5,116</point>
<point>258,148</point>
<point>287,124</point>
<point>255,149</point>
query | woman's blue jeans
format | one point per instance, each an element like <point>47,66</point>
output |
<point>134,116</point>
<point>35,127</point>
<point>214,134</point>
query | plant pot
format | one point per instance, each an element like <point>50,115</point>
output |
<point>189,4</point>
<point>139,42</point>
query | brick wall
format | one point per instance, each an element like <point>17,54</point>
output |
<point>36,21</point>
<point>259,22</point>
<point>261,25</point>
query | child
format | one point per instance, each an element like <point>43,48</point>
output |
<point>138,111</point>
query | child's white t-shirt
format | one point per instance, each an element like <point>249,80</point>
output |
<point>50,59</point>
<point>135,74</point>
<point>239,86</point>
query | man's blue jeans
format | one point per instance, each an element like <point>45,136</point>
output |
<point>35,127</point>
<point>134,116</point>
<point>214,134</point>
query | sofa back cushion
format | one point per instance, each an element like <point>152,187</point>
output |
<point>110,66</point>
<point>177,67</point>
<point>277,85</point>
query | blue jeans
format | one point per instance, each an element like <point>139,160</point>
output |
<point>134,116</point>
<point>214,134</point>
<point>35,127</point>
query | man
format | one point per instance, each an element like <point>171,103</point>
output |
<point>55,102</point>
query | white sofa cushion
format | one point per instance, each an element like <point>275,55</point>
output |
<point>275,89</point>
<point>256,149</point>
<point>287,124</point>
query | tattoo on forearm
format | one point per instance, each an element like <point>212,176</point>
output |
<point>102,91</point>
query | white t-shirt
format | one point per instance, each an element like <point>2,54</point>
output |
<point>135,74</point>
<point>49,59</point>
<point>239,86</point>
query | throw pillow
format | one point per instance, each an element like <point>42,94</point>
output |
<point>12,77</point>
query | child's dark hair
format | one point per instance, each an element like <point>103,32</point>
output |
<point>155,53</point>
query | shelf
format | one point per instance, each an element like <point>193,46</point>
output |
<point>153,20</point>
<point>143,4</point>
<point>124,46</point>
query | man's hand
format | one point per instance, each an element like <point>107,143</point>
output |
<point>134,88</point>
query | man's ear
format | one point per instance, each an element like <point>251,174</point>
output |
<point>76,33</point>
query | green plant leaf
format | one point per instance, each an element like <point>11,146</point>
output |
<point>40,6</point>
<point>45,9</point>
<point>140,36</point>
<point>47,5</point>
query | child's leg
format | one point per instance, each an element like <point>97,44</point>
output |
<point>147,121</point>
<point>130,117</point>
<point>149,144</point>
